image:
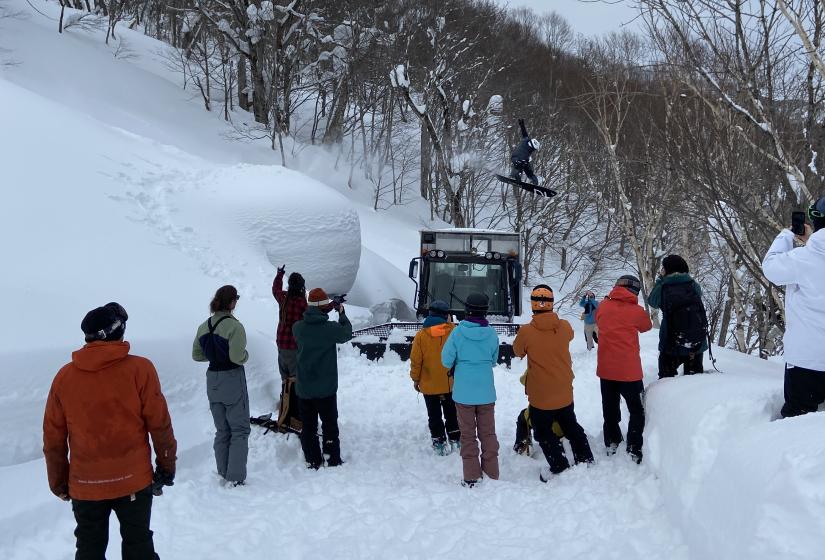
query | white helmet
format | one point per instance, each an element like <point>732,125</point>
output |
<point>535,144</point>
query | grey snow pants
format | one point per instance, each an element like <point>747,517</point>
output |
<point>229,403</point>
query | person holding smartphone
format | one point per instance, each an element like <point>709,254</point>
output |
<point>317,387</point>
<point>801,271</point>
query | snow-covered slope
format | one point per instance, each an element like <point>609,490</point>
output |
<point>118,186</point>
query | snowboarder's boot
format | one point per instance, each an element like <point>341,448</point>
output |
<point>545,474</point>
<point>635,455</point>
<point>470,483</point>
<point>334,462</point>
<point>441,447</point>
<point>455,445</point>
<point>611,449</point>
<point>524,447</point>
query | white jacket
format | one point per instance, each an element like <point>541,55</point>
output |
<point>802,272</point>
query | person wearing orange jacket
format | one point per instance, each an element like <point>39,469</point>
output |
<point>433,380</point>
<point>549,384</point>
<point>620,319</point>
<point>106,402</point>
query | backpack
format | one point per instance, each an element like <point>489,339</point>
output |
<point>687,323</point>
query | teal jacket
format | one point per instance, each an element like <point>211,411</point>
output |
<point>589,316</point>
<point>317,339</point>
<point>473,351</point>
<point>655,300</point>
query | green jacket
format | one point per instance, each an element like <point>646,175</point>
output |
<point>230,341</point>
<point>317,338</point>
<point>654,299</point>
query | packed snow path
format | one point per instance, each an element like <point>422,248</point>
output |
<point>393,498</point>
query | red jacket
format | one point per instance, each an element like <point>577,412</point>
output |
<point>291,311</point>
<point>620,319</point>
<point>102,406</point>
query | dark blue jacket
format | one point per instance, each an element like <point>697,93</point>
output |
<point>524,150</point>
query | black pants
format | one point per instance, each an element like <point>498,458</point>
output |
<point>133,512</point>
<point>523,431</point>
<point>632,392</point>
<point>669,364</point>
<point>542,421</point>
<point>804,391</point>
<point>436,406</point>
<point>327,409</point>
<point>521,166</point>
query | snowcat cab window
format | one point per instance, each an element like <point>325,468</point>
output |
<point>453,282</point>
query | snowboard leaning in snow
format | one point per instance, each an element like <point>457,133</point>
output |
<point>535,189</point>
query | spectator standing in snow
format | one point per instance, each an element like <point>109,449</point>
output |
<point>317,386</point>
<point>472,349</point>
<point>521,156</point>
<point>103,405</point>
<point>292,304</point>
<point>589,305</point>
<point>221,341</point>
<point>683,334</point>
<point>549,383</point>
<point>802,272</point>
<point>433,380</point>
<point>620,319</point>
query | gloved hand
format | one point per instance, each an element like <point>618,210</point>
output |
<point>416,387</point>
<point>160,479</point>
<point>282,269</point>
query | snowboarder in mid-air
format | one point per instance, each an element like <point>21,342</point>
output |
<point>521,156</point>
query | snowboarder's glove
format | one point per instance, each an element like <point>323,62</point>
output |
<point>160,479</point>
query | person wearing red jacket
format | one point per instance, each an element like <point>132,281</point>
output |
<point>103,405</point>
<point>620,319</point>
<point>292,304</point>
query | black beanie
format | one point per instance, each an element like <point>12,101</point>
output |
<point>674,263</point>
<point>105,323</point>
<point>477,304</point>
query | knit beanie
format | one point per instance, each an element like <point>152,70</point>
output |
<point>318,298</point>
<point>105,323</point>
<point>439,308</point>
<point>630,282</point>
<point>477,305</point>
<point>674,263</point>
<point>541,298</point>
<point>816,213</point>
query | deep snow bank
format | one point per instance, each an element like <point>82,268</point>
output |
<point>740,484</point>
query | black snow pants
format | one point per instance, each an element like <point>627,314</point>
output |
<point>804,391</point>
<point>327,409</point>
<point>521,166</point>
<point>133,512</point>
<point>542,421</point>
<point>669,364</point>
<point>632,392</point>
<point>446,426</point>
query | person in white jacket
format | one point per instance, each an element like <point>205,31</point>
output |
<point>802,272</point>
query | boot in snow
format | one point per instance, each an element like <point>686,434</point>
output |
<point>441,447</point>
<point>470,483</point>
<point>334,462</point>
<point>455,445</point>
<point>545,474</point>
<point>635,455</point>
<point>612,448</point>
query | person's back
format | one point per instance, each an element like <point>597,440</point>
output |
<point>801,271</point>
<point>620,319</point>
<point>546,342</point>
<point>472,348</point>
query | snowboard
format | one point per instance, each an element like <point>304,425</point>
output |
<point>530,187</point>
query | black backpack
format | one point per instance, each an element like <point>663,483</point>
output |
<point>687,322</point>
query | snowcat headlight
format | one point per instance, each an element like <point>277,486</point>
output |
<point>488,256</point>
<point>497,256</point>
<point>441,254</point>
<point>433,253</point>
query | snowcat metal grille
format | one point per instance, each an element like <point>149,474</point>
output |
<point>384,331</point>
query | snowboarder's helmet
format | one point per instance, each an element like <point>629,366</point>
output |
<point>439,308</point>
<point>477,305</point>
<point>541,299</point>
<point>816,212</point>
<point>535,144</point>
<point>630,282</point>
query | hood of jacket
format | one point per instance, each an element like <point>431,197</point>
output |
<point>315,316</point>
<point>817,242</point>
<point>99,355</point>
<point>439,330</point>
<point>620,293</point>
<point>548,321</point>
<point>473,331</point>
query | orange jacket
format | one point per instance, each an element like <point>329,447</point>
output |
<point>102,405</point>
<point>546,341</point>
<point>425,360</point>
<point>620,319</point>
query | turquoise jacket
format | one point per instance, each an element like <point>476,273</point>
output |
<point>589,316</point>
<point>473,351</point>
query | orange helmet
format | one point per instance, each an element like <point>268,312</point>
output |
<point>541,299</point>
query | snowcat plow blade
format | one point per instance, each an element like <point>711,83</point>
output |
<point>373,342</point>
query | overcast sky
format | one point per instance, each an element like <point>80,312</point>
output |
<point>588,18</point>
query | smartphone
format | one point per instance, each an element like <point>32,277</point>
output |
<point>798,223</point>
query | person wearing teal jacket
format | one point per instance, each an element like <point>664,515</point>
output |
<point>471,351</point>
<point>683,334</point>
<point>591,332</point>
